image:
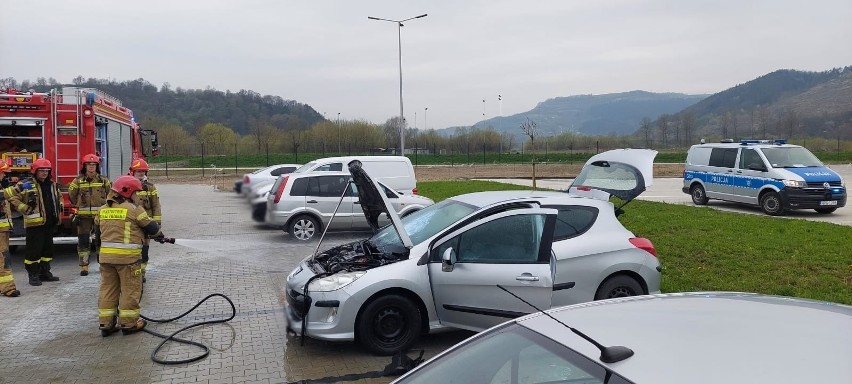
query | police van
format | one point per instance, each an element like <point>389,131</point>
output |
<point>769,173</point>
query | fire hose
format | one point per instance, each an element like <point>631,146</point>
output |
<point>172,336</point>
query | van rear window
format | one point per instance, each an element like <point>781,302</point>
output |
<point>723,157</point>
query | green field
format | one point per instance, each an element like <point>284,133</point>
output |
<point>705,249</point>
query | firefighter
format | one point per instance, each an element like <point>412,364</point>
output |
<point>7,281</point>
<point>149,199</point>
<point>87,192</point>
<point>42,208</point>
<point>121,227</point>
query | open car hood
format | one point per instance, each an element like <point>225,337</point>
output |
<point>623,173</point>
<point>375,203</point>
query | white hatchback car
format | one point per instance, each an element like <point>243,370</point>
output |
<point>438,268</point>
<point>701,337</point>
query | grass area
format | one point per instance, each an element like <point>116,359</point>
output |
<point>706,249</point>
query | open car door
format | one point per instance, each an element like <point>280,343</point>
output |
<point>623,173</point>
<point>512,249</point>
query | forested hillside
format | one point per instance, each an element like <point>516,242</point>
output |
<point>193,108</point>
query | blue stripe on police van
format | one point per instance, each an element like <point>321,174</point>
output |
<point>733,180</point>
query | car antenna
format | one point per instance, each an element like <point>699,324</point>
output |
<point>611,354</point>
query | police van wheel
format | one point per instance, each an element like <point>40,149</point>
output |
<point>699,197</point>
<point>825,211</point>
<point>771,204</point>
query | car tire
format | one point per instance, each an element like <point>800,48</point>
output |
<point>389,324</point>
<point>825,211</point>
<point>699,196</point>
<point>303,227</point>
<point>770,203</point>
<point>619,286</point>
<point>258,212</point>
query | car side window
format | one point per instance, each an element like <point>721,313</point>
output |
<point>300,187</point>
<point>723,157</point>
<point>283,170</point>
<point>749,159</point>
<point>507,240</point>
<point>573,221</point>
<point>390,194</point>
<point>333,167</point>
<point>327,186</point>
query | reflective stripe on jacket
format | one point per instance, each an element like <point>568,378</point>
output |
<point>121,232</point>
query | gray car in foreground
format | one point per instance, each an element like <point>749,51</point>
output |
<point>438,268</point>
<point>704,337</point>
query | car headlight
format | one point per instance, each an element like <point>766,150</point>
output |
<point>334,282</point>
<point>794,183</point>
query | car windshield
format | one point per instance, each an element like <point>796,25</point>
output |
<point>423,224</point>
<point>306,167</point>
<point>791,157</point>
<point>513,354</point>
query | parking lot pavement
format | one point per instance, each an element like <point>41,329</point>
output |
<point>50,334</point>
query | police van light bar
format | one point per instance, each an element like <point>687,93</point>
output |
<point>775,141</point>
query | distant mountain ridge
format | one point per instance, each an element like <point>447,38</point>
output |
<point>614,113</point>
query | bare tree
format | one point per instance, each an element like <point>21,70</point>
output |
<point>688,120</point>
<point>663,125</point>
<point>645,128</point>
<point>789,123</point>
<point>529,128</point>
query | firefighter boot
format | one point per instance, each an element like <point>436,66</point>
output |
<point>34,280</point>
<point>44,272</point>
<point>140,325</point>
<point>12,293</point>
<point>109,329</point>
<point>84,270</point>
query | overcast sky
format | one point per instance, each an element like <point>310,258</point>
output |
<point>329,55</point>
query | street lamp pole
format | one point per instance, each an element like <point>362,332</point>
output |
<point>424,118</point>
<point>338,132</point>
<point>401,114</point>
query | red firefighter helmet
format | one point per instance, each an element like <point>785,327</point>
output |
<point>90,158</point>
<point>138,165</point>
<point>5,166</point>
<point>41,164</point>
<point>126,185</point>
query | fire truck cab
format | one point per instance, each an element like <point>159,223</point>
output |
<point>62,125</point>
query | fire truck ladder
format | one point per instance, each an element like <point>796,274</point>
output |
<point>64,102</point>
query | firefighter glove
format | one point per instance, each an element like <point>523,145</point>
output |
<point>26,186</point>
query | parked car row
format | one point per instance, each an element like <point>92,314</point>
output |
<point>319,195</point>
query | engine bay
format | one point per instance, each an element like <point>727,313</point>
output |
<point>356,256</point>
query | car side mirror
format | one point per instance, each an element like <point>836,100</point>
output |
<point>448,260</point>
<point>757,167</point>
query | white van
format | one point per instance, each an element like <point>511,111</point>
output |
<point>768,173</point>
<point>396,172</point>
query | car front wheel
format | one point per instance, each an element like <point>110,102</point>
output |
<point>699,196</point>
<point>303,228</point>
<point>619,286</point>
<point>771,204</point>
<point>389,324</point>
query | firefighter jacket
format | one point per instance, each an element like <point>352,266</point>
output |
<point>149,199</point>
<point>31,203</point>
<point>5,212</point>
<point>88,194</point>
<point>122,228</point>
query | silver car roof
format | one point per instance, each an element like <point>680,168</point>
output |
<point>712,337</point>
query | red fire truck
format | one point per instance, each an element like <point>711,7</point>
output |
<point>61,126</point>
